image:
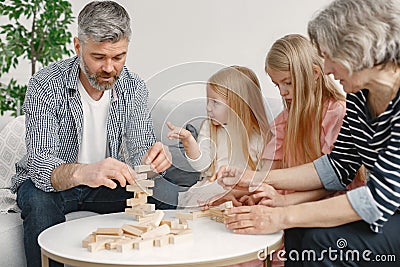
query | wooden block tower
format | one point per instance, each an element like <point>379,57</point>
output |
<point>139,207</point>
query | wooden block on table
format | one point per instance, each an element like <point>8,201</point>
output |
<point>184,216</point>
<point>180,226</point>
<point>157,232</point>
<point>143,244</point>
<point>181,231</point>
<point>167,222</point>
<point>109,231</point>
<point>131,229</point>
<point>161,241</point>
<point>175,239</point>
<point>142,168</point>
<point>113,244</point>
<point>226,205</point>
<point>89,239</point>
<point>125,244</point>
<point>201,213</point>
<point>99,245</point>
<point>157,218</point>
<point>105,237</point>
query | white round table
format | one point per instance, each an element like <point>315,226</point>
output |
<point>212,245</point>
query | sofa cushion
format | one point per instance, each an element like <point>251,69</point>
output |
<point>12,149</point>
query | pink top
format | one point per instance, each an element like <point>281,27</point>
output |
<point>331,124</point>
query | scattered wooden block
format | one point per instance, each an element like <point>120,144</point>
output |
<point>157,232</point>
<point>180,238</point>
<point>125,244</point>
<point>157,217</point>
<point>181,231</point>
<point>161,241</point>
<point>143,244</point>
<point>99,245</point>
<point>184,216</point>
<point>201,214</point>
<point>106,237</point>
<point>131,229</point>
<point>109,231</point>
<point>89,239</point>
<point>226,205</point>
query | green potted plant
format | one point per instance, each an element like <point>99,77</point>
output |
<point>37,30</point>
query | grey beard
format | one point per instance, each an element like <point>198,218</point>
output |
<point>92,78</point>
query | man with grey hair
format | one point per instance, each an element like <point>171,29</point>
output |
<point>86,118</point>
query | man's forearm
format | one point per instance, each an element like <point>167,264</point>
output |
<point>64,176</point>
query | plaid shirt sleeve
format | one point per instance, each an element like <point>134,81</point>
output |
<point>42,137</point>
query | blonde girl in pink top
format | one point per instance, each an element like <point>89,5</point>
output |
<point>310,123</point>
<point>308,126</point>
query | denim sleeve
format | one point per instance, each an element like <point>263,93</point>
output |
<point>327,174</point>
<point>364,204</point>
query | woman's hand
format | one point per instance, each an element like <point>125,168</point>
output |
<point>255,219</point>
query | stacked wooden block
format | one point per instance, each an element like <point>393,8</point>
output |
<point>140,209</point>
<point>150,229</point>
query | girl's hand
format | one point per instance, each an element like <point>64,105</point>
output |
<point>233,177</point>
<point>268,196</point>
<point>255,219</point>
<point>177,132</point>
<point>233,195</point>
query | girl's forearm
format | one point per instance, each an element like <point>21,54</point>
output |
<point>299,178</point>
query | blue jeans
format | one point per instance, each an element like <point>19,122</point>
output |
<point>40,210</point>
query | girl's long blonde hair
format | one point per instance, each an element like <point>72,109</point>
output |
<point>247,116</point>
<point>296,54</point>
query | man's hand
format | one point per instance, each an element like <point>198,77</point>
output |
<point>102,173</point>
<point>256,219</point>
<point>159,157</point>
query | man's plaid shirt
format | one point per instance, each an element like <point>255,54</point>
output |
<point>54,120</point>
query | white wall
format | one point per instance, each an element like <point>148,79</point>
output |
<point>176,42</point>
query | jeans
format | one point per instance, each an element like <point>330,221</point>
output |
<point>41,210</point>
<point>352,244</point>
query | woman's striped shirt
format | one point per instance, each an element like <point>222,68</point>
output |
<point>374,142</point>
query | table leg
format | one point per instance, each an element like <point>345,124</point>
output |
<point>45,260</point>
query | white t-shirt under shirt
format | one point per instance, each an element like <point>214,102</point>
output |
<point>93,146</point>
